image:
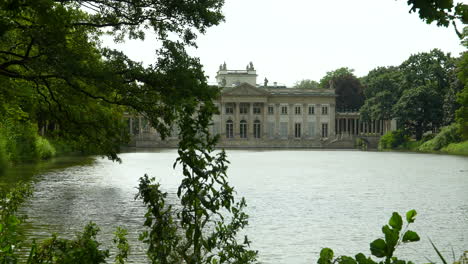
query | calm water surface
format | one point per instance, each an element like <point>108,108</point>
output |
<point>298,200</point>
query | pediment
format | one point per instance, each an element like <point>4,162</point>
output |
<point>244,89</point>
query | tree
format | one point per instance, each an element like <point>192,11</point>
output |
<point>306,84</point>
<point>347,87</point>
<point>382,89</point>
<point>50,54</point>
<point>427,77</point>
<point>50,51</point>
<point>441,11</point>
<point>419,109</point>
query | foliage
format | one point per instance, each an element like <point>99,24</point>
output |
<point>415,109</point>
<point>83,249</point>
<point>393,139</point>
<point>11,236</point>
<point>45,150</point>
<point>447,135</point>
<point>382,89</point>
<point>347,87</point>
<point>385,247</point>
<point>441,11</point>
<point>462,97</point>
<point>53,68</point>
<point>306,84</point>
<point>457,148</point>
<point>123,247</point>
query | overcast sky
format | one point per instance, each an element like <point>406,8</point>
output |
<point>303,39</point>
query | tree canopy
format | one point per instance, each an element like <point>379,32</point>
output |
<point>54,69</point>
<point>347,87</point>
<point>306,84</point>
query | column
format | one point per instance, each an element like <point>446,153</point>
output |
<point>131,125</point>
<point>318,122</point>
<point>291,121</point>
<point>304,126</point>
<point>331,114</point>
<point>277,120</point>
<point>250,121</point>
<point>139,125</point>
<point>264,121</point>
<point>236,120</point>
<point>222,125</point>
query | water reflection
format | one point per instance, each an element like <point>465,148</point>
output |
<point>299,201</point>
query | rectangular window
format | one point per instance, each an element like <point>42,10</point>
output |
<point>271,110</point>
<point>257,129</point>
<point>284,129</point>
<point>229,110</point>
<point>311,129</point>
<point>311,110</point>
<point>324,110</point>
<point>324,130</point>
<point>256,110</point>
<point>229,129</point>
<point>243,129</point>
<point>284,110</point>
<point>271,129</point>
<point>215,128</point>
<point>297,130</point>
<point>297,110</point>
<point>243,109</point>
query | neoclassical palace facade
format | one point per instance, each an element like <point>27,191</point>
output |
<point>252,115</point>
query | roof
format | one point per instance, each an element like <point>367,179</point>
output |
<point>247,89</point>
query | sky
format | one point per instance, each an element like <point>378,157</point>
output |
<point>288,41</point>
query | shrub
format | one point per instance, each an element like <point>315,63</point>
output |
<point>3,152</point>
<point>447,135</point>
<point>457,148</point>
<point>44,149</point>
<point>393,139</point>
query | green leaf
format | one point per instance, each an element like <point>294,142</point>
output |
<point>346,260</point>
<point>361,259</point>
<point>326,255</point>
<point>410,236</point>
<point>438,252</point>
<point>391,238</point>
<point>396,221</point>
<point>378,248</point>
<point>411,215</point>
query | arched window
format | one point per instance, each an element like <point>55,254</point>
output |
<point>257,129</point>
<point>229,129</point>
<point>243,129</point>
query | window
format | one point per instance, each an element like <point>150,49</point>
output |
<point>229,129</point>
<point>311,129</point>
<point>297,110</point>
<point>297,130</point>
<point>257,129</point>
<point>284,110</point>
<point>311,110</point>
<point>324,130</point>
<point>271,110</point>
<point>243,109</point>
<point>271,129</point>
<point>215,128</point>
<point>284,129</point>
<point>256,110</point>
<point>324,110</point>
<point>243,129</point>
<point>229,110</point>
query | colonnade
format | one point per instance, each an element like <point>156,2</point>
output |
<point>356,126</point>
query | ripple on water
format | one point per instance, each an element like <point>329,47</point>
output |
<point>299,201</point>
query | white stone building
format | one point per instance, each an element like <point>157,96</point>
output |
<point>253,115</point>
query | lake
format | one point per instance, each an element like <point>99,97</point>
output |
<point>299,201</point>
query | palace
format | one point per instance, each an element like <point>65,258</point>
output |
<point>253,115</point>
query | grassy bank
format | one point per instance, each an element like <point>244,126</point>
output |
<point>20,142</point>
<point>447,141</point>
